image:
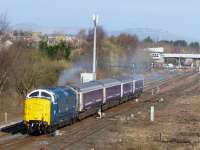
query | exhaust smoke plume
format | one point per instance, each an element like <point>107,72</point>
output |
<point>69,76</point>
<point>72,75</point>
<point>138,62</point>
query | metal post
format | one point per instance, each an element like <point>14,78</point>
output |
<point>160,137</point>
<point>152,92</point>
<point>6,117</point>
<point>152,114</point>
<point>158,89</point>
<point>179,62</point>
<point>99,112</point>
<point>95,19</point>
<point>133,68</point>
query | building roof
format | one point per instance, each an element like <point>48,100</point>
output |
<point>173,55</point>
<point>155,49</point>
<point>137,76</point>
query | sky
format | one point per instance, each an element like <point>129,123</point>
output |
<point>179,17</point>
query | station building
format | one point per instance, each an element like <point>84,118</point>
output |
<point>177,59</point>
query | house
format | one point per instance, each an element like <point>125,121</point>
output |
<point>53,39</point>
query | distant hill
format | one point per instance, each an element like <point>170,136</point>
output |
<point>43,29</point>
<point>155,34</point>
<point>26,27</point>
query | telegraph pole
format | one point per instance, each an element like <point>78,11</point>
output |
<point>95,21</point>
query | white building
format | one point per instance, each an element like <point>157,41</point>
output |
<point>156,53</point>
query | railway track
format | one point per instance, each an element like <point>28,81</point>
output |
<point>67,141</point>
<point>18,127</point>
<point>80,130</point>
<point>14,128</point>
<point>156,83</point>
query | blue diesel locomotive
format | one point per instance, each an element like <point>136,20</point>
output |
<point>50,108</point>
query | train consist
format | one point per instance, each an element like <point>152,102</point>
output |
<point>50,108</point>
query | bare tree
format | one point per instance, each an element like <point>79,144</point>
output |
<point>101,34</point>
<point>127,41</point>
<point>6,61</point>
<point>82,35</point>
<point>4,27</point>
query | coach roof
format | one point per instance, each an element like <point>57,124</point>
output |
<point>88,86</point>
<point>109,82</point>
<point>125,79</point>
<point>137,77</point>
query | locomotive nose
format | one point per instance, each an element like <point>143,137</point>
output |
<point>37,109</point>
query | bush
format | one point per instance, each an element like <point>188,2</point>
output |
<point>24,69</point>
<point>59,51</point>
<point>5,61</point>
<point>33,69</point>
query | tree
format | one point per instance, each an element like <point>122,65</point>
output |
<point>31,69</point>
<point>4,27</point>
<point>82,35</point>
<point>101,34</point>
<point>5,55</point>
<point>165,42</point>
<point>59,51</point>
<point>194,45</point>
<point>180,43</point>
<point>63,50</point>
<point>127,41</point>
<point>148,40</point>
<point>6,63</point>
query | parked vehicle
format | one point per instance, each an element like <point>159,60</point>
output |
<point>168,66</point>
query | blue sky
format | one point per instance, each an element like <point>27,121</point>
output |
<point>176,16</point>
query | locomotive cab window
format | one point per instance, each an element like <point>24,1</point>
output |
<point>46,95</point>
<point>34,94</point>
